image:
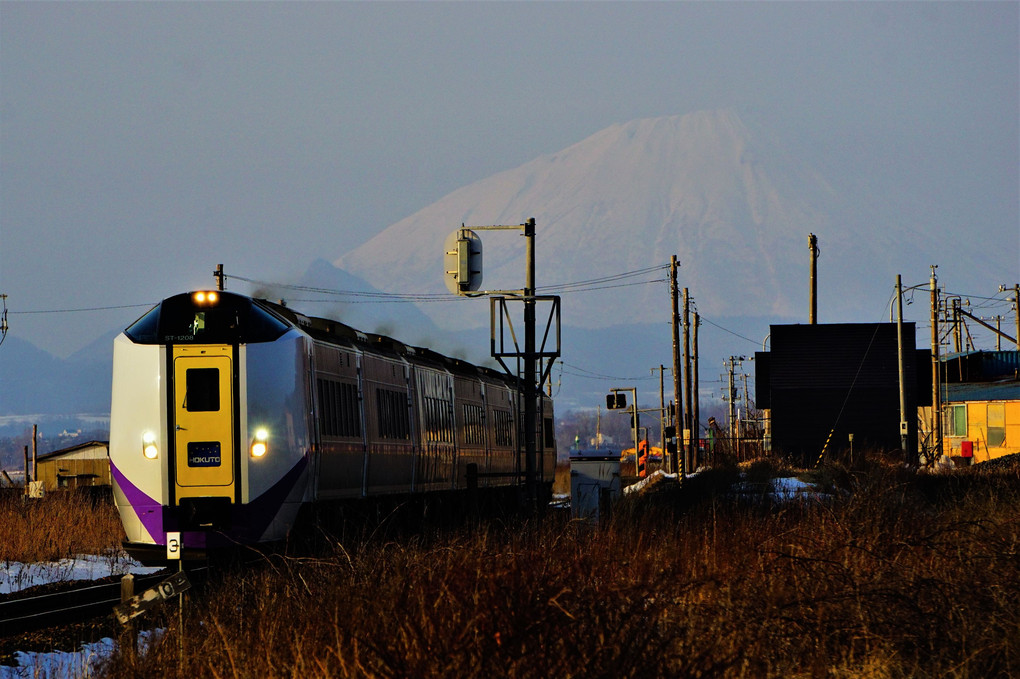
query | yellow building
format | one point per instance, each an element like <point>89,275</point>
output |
<point>82,465</point>
<point>981,406</point>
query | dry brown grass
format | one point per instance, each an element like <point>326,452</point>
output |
<point>59,525</point>
<point>895,574</point>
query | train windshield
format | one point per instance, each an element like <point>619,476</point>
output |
<point>224,319</point>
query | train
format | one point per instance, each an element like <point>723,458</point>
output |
<point>231,414</point>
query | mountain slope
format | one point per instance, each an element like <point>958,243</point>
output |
<point>719,193</point>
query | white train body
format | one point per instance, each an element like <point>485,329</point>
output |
<point>229,414</point>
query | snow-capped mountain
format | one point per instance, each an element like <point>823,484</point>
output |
<point>721,194</point>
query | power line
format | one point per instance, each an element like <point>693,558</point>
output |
<point>735,334</point>
<point>71,311</point>
<point>590,375</point>
<point>381,297</point>
<point>603,283</point>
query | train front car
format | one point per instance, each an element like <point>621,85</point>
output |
<point>209,424</point>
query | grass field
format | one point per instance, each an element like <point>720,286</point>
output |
<point>890,573</point>
<point>59,525</point>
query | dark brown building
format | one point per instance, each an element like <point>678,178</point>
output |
<point>822,383</point>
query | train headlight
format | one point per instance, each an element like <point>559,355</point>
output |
<point>260,444</point>
<point>206,297</point>
<point>149,448</point>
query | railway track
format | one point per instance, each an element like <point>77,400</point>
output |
<point>76,603</point>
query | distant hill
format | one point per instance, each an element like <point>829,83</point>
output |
<point>37,382</point>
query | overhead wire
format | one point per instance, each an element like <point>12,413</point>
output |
<point>79,309</point>
<point>603,283</point>
<point>381,297</point>
<point>591,375</point>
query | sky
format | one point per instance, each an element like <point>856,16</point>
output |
<point>142,144</point>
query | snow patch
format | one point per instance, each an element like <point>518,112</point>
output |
<point>16,576</point>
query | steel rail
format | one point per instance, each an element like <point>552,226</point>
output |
<point>77,604</point>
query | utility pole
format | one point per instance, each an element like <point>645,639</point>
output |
<point>745,429</point>
<point>687,426</point>
<point>1016,308</point>
<point>696,412</point>
<point>678,419</point>
<point>3,318</point>
<point>732,397</point>
<point>218,274</point>
<point>531,386</point>
<point>813,282</point>
<point>904,431</point>
<point>957,333</point>
<point>662,412</point>
<point>936,391</point>
<point>35,452</point>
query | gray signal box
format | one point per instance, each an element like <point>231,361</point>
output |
<point>594,483</point>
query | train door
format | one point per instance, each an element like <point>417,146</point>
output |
<point>203,411</point>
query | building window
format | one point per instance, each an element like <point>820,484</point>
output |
<point>391,410</point>
<point>996,425</point>
<point>956,423</point>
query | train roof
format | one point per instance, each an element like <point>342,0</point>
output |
<point>336,332</point>
<point>220,317</point>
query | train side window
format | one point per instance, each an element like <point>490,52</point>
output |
<point>547,429</point>
<point>202,390</point>
<point>503,428</point>
<point>474,424</point>
<point>393,419</point>
<point>438,426</point>
<point>339,409</point>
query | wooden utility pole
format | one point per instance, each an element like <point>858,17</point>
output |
<point>696,410</point>
<point>732,397</point>
<point>1016,308</point>
<point>218,274</point>
<point>936,391</point>
<point>813,282</point>
<point>662,413</point>
<point>689,460</point>
<point>957,334</point>
<point>904,431</point>
<point>678,466</point>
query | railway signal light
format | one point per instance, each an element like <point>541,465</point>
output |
<point>616,401</point>
<point>462,261</point>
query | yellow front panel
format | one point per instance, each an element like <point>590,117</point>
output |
<point>204,425</point>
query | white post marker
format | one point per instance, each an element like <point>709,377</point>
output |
<point>173,545</point>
